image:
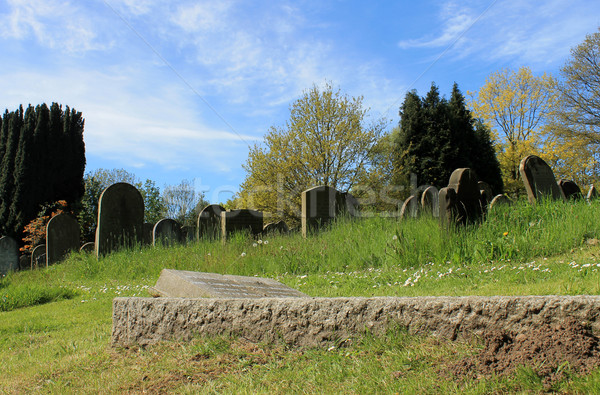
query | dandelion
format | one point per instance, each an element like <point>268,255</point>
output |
<point>395,237</point>
<point>266,242</point>
<point>243,254</point>
<point>254,245</point>
<point>260,242</point>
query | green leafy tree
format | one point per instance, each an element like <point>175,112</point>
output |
<point>183,203</point>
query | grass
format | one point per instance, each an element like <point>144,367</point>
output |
<point>55,323</point>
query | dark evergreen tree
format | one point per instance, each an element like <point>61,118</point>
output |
<point>438,136</point>
<point>7,180</point>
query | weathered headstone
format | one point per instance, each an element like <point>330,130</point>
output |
<point>539,179</point>
<point>410,208</point>
<point>319,207</point>
<point>9,255</point>
<point>498,200</point>
<point>62,237</point>
<point>38,257</point>
<point>570,189</point>
<point>88,247</point>
<point>276,227</point>
<point>166,232</point>
<point>592,193</point>
<point>120,218</point>
<point>346,204</point>
<point>187,284</point>
<point>209,222</point>
<point>468,198</point>
<point>147,230</point>
<point>430,201</point>
<point>448,202</point>
<point>241,221</point>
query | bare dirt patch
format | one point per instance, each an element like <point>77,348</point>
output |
<point>552,351</point>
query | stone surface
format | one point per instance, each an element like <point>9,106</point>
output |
<point>570,189</point>
<point>166,232</point>
<point>88,247</point>
<point>347,204</point>
<point>410,208</point>
<point>38,257</point>
<point>592,193</point>
<point>9,255</point>
<point>430,203</point>
<point>182,283</point>
<point>189,233</point>
<point>325,321</point>
<point>62,237</point>
<point>276,227</point>
<point>120,218</point>
<point>539,179</point>
<point>319,207</point>
<point>241,221</point>
<point>468,196</point>
<point>209,222</point>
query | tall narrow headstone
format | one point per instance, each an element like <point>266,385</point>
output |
<point>38,257</point>
<point>166,232</point>
<point>592,193</point>
<point>241,221</point>
<point>539,179</point>
<point>319,207</point>
<point>570,189</point>
<point>9,255</point>
<point>209,222</point>
<point>468,197</point>
<point>120,218</point>
<point>448,210</point>
<point>430,201</point>
<point>62,237</point>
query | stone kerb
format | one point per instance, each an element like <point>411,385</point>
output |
<point>319,207</point>
<point>310,322</point>
<point>9,255</point>
<point>209,222</point>
<point>120,218</point>
<point>166,232</point>
<point>539,179</point>
<point>241,221</point>
<point>62,237</point>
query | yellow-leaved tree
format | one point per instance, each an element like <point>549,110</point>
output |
<point>326,141</point>
<point>516,105</point>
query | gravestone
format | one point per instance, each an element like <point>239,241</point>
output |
<point>570,189</point>
<point>147,230</point>
<point>187,284</point>
<point>498,200</point>
<point>241,221</point>
<point>24,262</point>
<point>88,247</point>
<point>539,179</point>
<point>209,222</point>
<point>410,208</point>
<point>430,201</point>
<point>319,207</point>
<point>468,198</point>
<point>9,255</point>
<point>120,218</point>
<point>166,232</point>
<point>62,237</point>
<point>188,234</point>
<point>448,202</point>
<point>346,204</point>
<point>592,193</point>
<point>276,227</point>
<point>38,257</point>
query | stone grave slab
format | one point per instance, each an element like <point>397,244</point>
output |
<point>188,284</point>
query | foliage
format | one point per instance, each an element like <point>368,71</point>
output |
<point>437,136</point>
<point>35,231</point>
<point>326,141</point>
<point>182,203</point>
<point>42,160</point>
<point>516,105</point>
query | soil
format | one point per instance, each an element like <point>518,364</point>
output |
<point>552,351</point>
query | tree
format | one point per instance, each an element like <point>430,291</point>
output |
<point>182,203</point>
<point>326,141</point>
<point>437,136</point>
<point>517,106</point>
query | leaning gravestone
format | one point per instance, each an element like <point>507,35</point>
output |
<point>9,255</point>
<point>430,201</point>
<point>209,222</point>
<point>410,208</point>
<point>319,206</point>
<point>38,257</point>
<point>468,196</point>
<point>187,284</point>
<point>570,189</point>
<point>592,193</point>
<point>539,179</point>
<point>166,232</point>
<point>241,221</point>
<point>62,237</point>
<point>448,206</point>
<point>120,218</point>
<point>276,227</point>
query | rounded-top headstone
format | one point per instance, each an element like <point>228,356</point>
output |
<point>410,208</point>
<point>166,232</point>
<point>464,181</point>
<point>430,201</point>
<point>120,218</point>
<point>570,189</point>
<point>88,247</point>
<point>38,257</point>
<point>209,222</point>
<point>539,179</point>
<point>319,206</point>
<point>9,255</point>
<point>62,237</point>
<point>592,193</point>
<point>498,200</point>
<point>276,227</point>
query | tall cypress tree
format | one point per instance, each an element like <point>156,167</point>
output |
<point>7,180</point>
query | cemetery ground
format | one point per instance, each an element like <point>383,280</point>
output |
<point>55,323</point>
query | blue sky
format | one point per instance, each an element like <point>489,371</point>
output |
<point>174,90</point>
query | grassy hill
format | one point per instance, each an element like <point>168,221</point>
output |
<point>55,323</point>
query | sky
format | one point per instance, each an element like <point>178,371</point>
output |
<point>174,90</point>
